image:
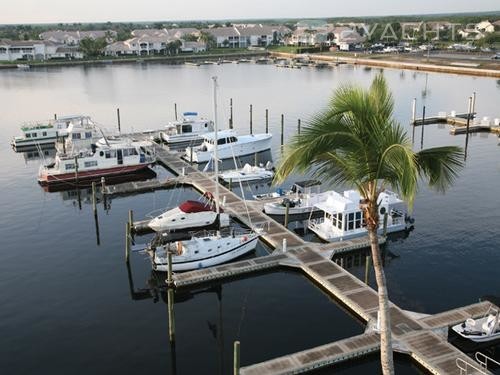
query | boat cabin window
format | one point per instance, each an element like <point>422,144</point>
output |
<point>91,163</point>
<point>110,154</point>
<point>206,124</point>
<point>34,135</point>
<point>69,166</point>
<point>132,151</point>
<point>359,220</point>
<point>221,141</point>
<point>187,128</point>
<point>44,134</point>
<point>76,136</point>
<point>232,140</point>
<point>101,153</point>
<point>340,221</point>
<point>88,135</point>
<point>28,135</point>
<point>350,221</point>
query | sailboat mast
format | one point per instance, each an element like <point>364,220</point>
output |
<point>216,140</point>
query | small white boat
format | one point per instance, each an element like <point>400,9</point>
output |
<point>484,329</point>
<point>229,144</point>
<point>202,251</point>
<point>249,173</point>
<point>343,217</point>
<point>300,199</point>
<point>99,161</point>
<point>190,215</point>
<point>191,127</point>
<point>46,132</point>
<point>23,66</point>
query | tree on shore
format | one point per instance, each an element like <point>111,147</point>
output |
<point>208,39</point>
<point>93,47</point>
<point>357,142</point>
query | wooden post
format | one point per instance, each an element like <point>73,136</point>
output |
<point>284,245</point>
<point>231,113</point>
<point>191,154</point>
<point>127,243</point>
<point>175,111</point>
<point>473,104</point>
<point>170,281</point>
<point>236,358</point>
<point>386,217</point>
<point>94,203</point>
<point>118,117</point>
<point>230,184</point>
<point>287,211</point>
<point>414,111</point>
<point>282,129</point>
<point>103,191</point>
<point>131,223</point>
<point>76,169</point>
<point>423,126</point>
<point>251,124</point>
<point>469,114</point>
<point>267,121</point>
<point>298,126</point>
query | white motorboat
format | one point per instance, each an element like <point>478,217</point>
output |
<point>249,173</point>
<point>300,199</point>
<point>484,329</point>
<point>343,218</point>
<point>204,250</point>
<point>229,145</point>
<point>99,161</point>
<point>190,128</point>
<point>190,215</point>
<point>46,132</point>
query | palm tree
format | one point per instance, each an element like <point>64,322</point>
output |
<point>357,142</point>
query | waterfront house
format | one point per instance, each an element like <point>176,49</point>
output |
<point>248,35</point>
<point>73,38</point>
<point>12,50</point>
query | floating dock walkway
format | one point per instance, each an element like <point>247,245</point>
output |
<point>459,123</point>
<point>416,335</point>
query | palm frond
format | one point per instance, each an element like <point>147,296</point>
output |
<point>440,165</point>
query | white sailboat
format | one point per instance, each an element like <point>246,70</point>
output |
<point>207,249</point>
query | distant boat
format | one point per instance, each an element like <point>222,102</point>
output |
<point>190,63</point>
<point>229,145</point>
<point>248,173</point>
<point>23,66</point>
<point>484,329</point>
<point>189,128</point>
<point>244,61</point>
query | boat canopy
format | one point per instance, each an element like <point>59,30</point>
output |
<point>340,203</point>
<point>190,207</point>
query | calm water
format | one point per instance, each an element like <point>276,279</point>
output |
<point>69,305</point>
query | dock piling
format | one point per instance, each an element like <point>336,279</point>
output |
<point>284,245</point>
<point>469,114</point>
<point>287,211</point>
<point>267,121</point>
<point>282,129</point>
<point>236,358</point>
<point>230,184</point>
<point>473,109</point>
<point>231,113</point>
<point>127,243</point>
<point>170,279</point>
<point>298,126</point>
<point>422,135</point>
<point>175,111</point>
<point>94,200</point>
<point>118,117</point>
<point>131,223</point>
<point>76,170</point>
<point>414,111</point>
<point>251,124</point>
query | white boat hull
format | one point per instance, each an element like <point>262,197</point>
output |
<point>179,263</point>
<point>181,138</point>
<point>278,209</point>
<point>239,175</point>
<point>476,331</point>
<point>330,237</point>
<point>229,150</point>
<point>177,220</point>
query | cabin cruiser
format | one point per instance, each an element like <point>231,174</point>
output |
<point>229,145</point>
<point>249,173</point>
<point>301,199</point>
<point>45,133</point>
<point>79,135</point>
<point>486,328</point>
<point>190,215</point>
<point>343,218</point>
<point>190,128</point>
<point>98,161</point>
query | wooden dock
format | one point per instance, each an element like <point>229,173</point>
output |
<point>413,334</point>
<point>459,123</point>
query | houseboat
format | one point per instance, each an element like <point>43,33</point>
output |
<point>343,218</point>
<point>98,161</point>
<point>229,145</point>
<point>190,128</point>
<point>46,133</point>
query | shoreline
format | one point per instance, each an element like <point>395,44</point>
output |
<point>426,67</point>
<point>137,59</point>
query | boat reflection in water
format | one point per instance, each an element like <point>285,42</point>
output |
<point>145,174</point>
<point>36,154</point>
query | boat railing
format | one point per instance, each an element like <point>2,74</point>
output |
<point>483,360</point>
<point>465,366</point>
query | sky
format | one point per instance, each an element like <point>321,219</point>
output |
<point>68,11</point>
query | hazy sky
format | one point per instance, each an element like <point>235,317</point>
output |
<point>43,11</point>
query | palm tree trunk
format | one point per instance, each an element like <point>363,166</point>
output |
<point>386,357</point>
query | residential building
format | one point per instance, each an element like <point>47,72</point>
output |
<point>248,36</point>
<point>12,50</point>
<point>485,27</point>
<point>73,38</point>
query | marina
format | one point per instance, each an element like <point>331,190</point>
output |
<point>417,337</point>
